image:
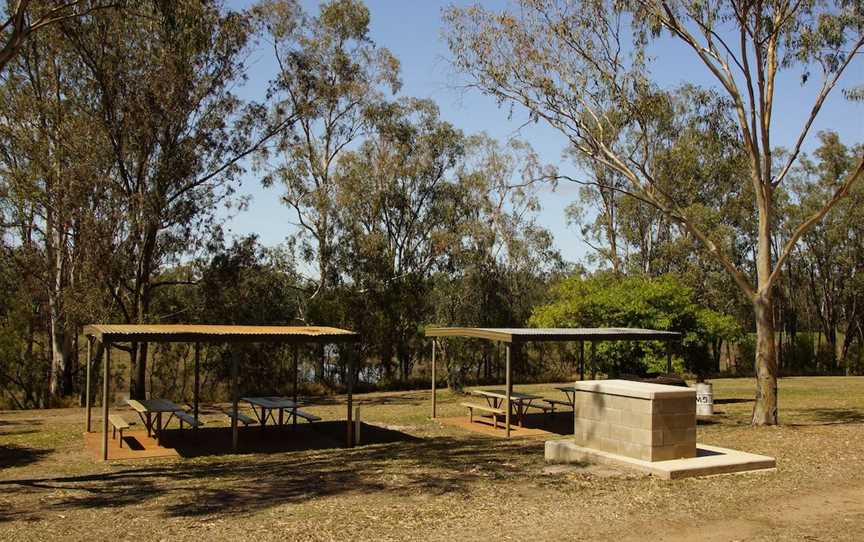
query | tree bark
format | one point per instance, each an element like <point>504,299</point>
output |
<point>765,407</point>
<point>140,389</point>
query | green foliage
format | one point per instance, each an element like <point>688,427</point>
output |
<point>400,213</point>
<point>122,140</point>
<point>662,303</point>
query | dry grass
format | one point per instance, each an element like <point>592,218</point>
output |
<point>444,484</point>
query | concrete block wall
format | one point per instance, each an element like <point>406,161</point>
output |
<point>650,422</point>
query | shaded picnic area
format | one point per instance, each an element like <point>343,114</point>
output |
<point>156,413</point>
<point>506,403</point>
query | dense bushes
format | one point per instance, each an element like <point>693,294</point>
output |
<point>653,303</point>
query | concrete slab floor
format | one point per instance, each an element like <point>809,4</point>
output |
<point>709,460</point>
<point>136,445</point>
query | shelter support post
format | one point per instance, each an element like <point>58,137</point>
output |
<point>106,386</point>
<point>669,357</point>
<point>434,383</point>
<point>593,360</point>
<point>350,383</point>
<point>235,395</point>
<point>509,386</point>
<point>87,385</point>
<point>196,384</point>
<point>581,360</point>
<point>357,424</point>
<point>294,385</point>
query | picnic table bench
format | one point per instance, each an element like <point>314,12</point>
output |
<point>183,416</point>
<point>570,392</point>
<point>150,411</point>
<point>495,412</point>
<point>309,417</point>
<point>120,424</point>
<point>553,402</point>
<point>242,418</point>
<point>519,402</point>
<point>264,408</point>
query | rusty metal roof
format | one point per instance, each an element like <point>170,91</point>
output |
<point>523,334</point>
<point>217,333</point>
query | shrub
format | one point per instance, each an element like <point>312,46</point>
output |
<point>662,303</point>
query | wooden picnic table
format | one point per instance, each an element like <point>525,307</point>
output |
<point>150,411</point>
<point>263,408</point>
<point>519,402</point>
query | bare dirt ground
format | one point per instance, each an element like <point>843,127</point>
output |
<point>425,481</point>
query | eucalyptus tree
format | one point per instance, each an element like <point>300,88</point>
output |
<point>331,75</point>
<point>701,160</point>
<point>162,96</point>
<point>51,173</point>
<point>400,207</point>
<point>504,182</point>
<point>830,260</point>
<point>505,259</point>
<point>583,67</point>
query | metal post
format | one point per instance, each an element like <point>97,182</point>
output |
<point>593,360</point>
<point>196,384</point>
<point>350,426</point>
<point>235,396</point>
<point>106,371</point>
<point>669,357</point>
<point>87,385</point>
<point>581,360</point>
<point>509,389</point>
<point>357,425</point>
<point>296,362</point>
<point>434,392</point>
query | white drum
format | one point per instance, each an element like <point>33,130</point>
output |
<point>704,399</point>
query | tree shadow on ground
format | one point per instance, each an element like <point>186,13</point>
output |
<point>12,455</point>
<point>732,400</point>
<point>209,441</point>
<point>702,420</point>
<point>193,488</point>
<point>28,422</point>
<point>830,416</point>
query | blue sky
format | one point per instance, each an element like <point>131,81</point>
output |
<point>412,31</point>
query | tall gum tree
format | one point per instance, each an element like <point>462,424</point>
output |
<point>162,97</point>
<point>583,68</point>
<point>330,75</point>
<point>399,210</point>
<point>52,173</point>
<point>829,260</point>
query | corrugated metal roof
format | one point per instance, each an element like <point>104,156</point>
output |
<point>216,333</point>
<point>520,334</point>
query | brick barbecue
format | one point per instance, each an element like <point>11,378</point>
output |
<point>650,422</point>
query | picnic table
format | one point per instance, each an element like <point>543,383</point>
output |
<point>150,411</point>
<point>570,392</point>
<point>519,402</point>
<point>263,407</point>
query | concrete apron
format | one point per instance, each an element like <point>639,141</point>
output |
<point>709,460</point>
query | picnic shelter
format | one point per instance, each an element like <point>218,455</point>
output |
<point>516,336</point>
<point>111,334</point>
